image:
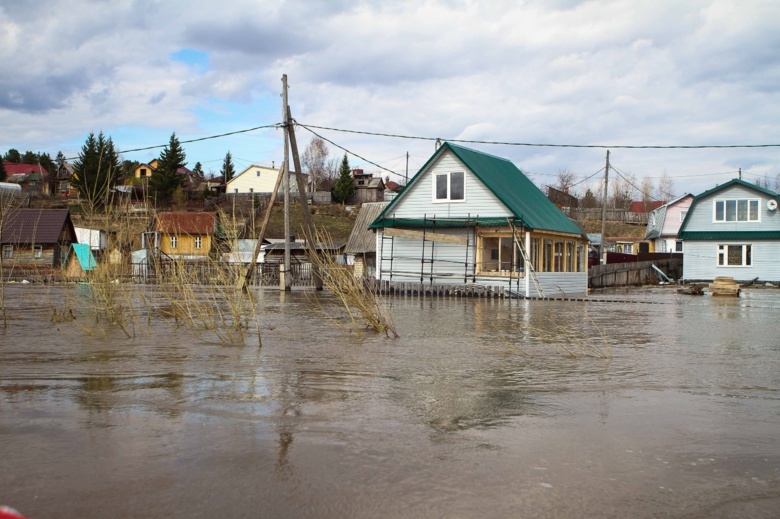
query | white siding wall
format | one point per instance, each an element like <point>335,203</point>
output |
<point>264,183</point>
<point>561,284</point>
<point>418,202</point>
<point>703,213</point>
<point>701,261</point>
<point>672,222</point>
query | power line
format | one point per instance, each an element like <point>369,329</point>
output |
<point>542,145</point>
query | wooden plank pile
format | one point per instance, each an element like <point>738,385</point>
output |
<point>724,286</point>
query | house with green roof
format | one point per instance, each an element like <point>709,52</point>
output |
<point>732,230</point>
<point>468,217</point>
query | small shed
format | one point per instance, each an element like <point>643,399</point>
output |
<point>361,245</point>
<point>79,261</point>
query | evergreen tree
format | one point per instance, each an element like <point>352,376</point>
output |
<point>589,201</point>
<point>13,155</point>
<point>97,169</point>
<point>198,172</point>
<point>227,171</point>
<point>60,160</point>
<point>345,187</point>
<point>2,172</point>
<point>165,178</point>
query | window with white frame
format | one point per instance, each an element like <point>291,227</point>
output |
<point>737,210</point>
<point>735,255</point>
<point>198,242</point>
<point>449,187</point>
<point>37,251</point>
<point>678,246</point>
<point>174,242</point>
<point>8,251</point>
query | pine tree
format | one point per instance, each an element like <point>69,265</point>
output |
<point>97,169</point>
<point>198,172</point>
<point>345,187</point>
<point>165,178</point>
<point>227,171</point>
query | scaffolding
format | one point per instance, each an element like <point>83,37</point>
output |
<point>430,233</point>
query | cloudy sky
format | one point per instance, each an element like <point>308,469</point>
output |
<point>549,71</point>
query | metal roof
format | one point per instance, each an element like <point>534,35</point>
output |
<point>530,207</point>
<point>362,239</point>
<point>185,223</point>
<point>35,226</point>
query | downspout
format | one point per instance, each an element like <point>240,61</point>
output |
<point>527,270</point>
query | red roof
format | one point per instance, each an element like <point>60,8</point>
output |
<point>645,207</point>
<point>185,223</point>
<point>12,168</point>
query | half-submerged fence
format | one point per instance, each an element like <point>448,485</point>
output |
<point>633,274</point>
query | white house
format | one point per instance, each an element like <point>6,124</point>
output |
<point>663,224</point>
<point>732,230</point>
<point>472,218</point>
<point>258,179</point>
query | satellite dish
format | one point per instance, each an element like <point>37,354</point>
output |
<point>771,205</point>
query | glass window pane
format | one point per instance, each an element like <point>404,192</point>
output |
<point>742,209</point>
<point>457,188</point>
<point>754,210</point>
<point>719,214</point>
<point>731,210</point>
<point>735,254</point>
<point>441,187</point>
<point>748,255</point>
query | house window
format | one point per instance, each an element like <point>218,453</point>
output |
<point>500,255</point>
<point>258,173</point>
<point>198,242</point>
<point>235,190</point>
<point>678,246</point>
<point>737,210</point>
<point>143,172</point>
<point>251,190</point>
<point>735,255</point>
<point>682,214</point>
<point>8,251</point>
<point>570,257</point>
<point>174,242</point>
<point>37,251</point>
<point>449,187</point>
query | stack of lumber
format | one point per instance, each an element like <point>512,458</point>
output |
<point>724,286</point>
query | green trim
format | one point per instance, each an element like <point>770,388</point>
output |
<point>729,235</point>
<point>530,207</point>
<point>441,223</point>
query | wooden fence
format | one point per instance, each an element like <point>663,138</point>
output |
<point>633,274</point>
<point>612,215</point>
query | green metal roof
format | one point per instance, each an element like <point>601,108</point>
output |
<point>730,235</point>
<point>84,255</point>
<point>530,207</point>
<point>697,198</point>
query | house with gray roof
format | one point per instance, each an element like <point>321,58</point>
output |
<point>468,217</point>
<point>732,230</point>
<point>361,245</point>
<point>663,225</point>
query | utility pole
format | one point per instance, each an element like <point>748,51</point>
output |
<point>740,173</point>
<point>406,176</point>
<point>284,277</point>
<point>602,252</point>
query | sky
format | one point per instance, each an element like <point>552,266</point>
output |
<point>562,72</point>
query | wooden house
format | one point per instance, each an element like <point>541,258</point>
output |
<point>367,187</point>
<point>361,245</point>
<point>35,238</point>
<point>472,218</point>
<point>663,225</point>
<point>732,230</point>
<point>185,235</point>
<point>258,180</point>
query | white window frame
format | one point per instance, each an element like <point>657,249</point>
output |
<point>37,251</point>
<point>679,246</point>
<point>174,242</point>
<point>725,201</point>
<point>722,251</point>
<point>8,251</point>
<point>448,198</point>
<point>198,242</point>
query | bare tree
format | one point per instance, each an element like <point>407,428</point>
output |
<point>565,180</point>
<point>647,193</point>
<point>665,189</point>
<point>315,162</point>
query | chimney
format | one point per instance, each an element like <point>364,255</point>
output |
<point>356,172</point>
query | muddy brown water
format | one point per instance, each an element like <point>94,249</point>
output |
<point>450,420</point>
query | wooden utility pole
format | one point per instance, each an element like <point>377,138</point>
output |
<point>406,176</point>
<point>308,227</point>
<point>263,228</point>
<point>604,211</point>
<point>284,277</point>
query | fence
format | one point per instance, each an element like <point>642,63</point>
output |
<point>208,273</point>
<point>632,274</point>
<point>612,215</point>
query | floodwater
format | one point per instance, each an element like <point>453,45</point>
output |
<point>472,412</point>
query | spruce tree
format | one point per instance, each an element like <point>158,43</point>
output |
<point>97,169</point>
<point>227,171</point>
<point>165,178</point>
<point>345,187</point>
<point>198,172</point>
